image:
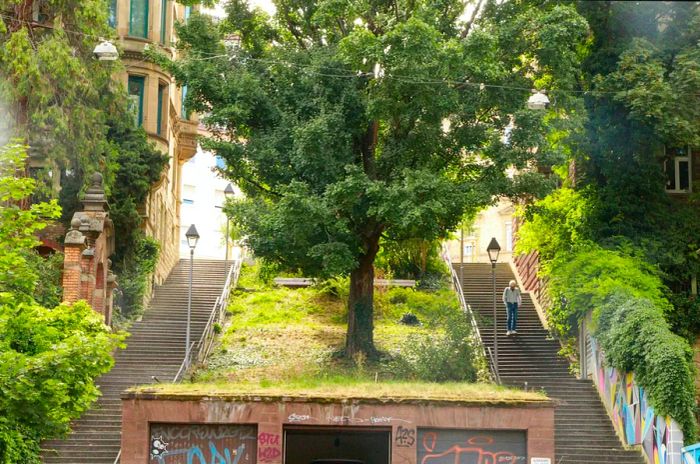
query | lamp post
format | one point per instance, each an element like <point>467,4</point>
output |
<point>192,238</point>
<point>228,194</point>
<point>493,250</point>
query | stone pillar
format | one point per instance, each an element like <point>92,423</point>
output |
<point>88,244</point>
<point>74,245</point>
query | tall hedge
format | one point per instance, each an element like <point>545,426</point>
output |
<point>636,338</point>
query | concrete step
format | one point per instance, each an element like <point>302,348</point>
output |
<point>583,431</point>
<point>156,347</point>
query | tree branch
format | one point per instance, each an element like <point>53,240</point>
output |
<point>475,13</point>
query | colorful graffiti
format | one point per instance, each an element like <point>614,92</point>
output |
<point>439,446</point>
<point>632,415</point>
<point>202,444</point>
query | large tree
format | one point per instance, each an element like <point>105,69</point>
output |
<point>351,122</point>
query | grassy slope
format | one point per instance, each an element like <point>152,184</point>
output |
<point>283,342</point>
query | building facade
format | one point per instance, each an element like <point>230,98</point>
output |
<point>158,106</point>
<point>202,200</point>
<point>469,245</point>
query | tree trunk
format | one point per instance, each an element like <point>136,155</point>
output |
<point>360,336</point>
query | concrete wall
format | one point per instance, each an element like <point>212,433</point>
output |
<point>171,430</point>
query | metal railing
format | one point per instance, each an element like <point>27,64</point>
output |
<point>205,343</point>
<point>691,454</point>
<point>467,309</point>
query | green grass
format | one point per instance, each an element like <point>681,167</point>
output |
<point>346,387</point>
<point>290,339</point>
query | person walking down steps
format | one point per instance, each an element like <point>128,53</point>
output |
<point>512,300</point>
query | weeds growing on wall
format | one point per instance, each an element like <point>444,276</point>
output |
<point>135,276</point>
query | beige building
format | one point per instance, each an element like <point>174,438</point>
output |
<point>157,103</point>
<point>470,245</point>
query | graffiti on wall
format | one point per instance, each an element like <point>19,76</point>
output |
<point>632,416</point>
<point>269,446</point>
<point>202,444</point>
<point>442,446</point>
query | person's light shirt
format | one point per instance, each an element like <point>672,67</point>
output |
<point>512,295</point>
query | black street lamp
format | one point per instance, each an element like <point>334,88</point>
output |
<point>493,250</point>
<point>228,194</point>
<point>192,239</point>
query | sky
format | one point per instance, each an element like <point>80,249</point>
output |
<point>270,8</point>
<point>266,5</point>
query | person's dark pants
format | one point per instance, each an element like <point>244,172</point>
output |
<point>511,316</point>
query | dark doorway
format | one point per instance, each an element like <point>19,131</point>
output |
<point>335,445</point>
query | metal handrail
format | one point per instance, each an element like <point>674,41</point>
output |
<point>467,309</point>
<point>206,341</point>
<point>218,310</point>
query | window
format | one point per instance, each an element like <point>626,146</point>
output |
<point>163,17</point>
<point>187,201</point>
<point>677,168</point>
<point>160,120</point>
<point>137,85</point>
<point>188,12</point>
<point>138,18</point>
<point>112,14</point>
<point>220,163</point>
<point>183,109</point>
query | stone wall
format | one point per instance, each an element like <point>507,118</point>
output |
<point>171,430</point>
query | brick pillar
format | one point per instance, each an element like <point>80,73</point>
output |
<point>74,246</point>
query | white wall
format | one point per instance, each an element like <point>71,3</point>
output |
<point>202,197</point>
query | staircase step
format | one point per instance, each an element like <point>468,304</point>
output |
<point>584,433</point>
<point>155,348</point>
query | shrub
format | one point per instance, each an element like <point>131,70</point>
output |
<point>636,338</point>
<point>442,357</point>
<point>581,281</point>
<point>49,359</point>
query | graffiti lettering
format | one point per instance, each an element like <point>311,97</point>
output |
<point>266,439</point>
<point>268,446</point>
<point>201,432</point>
<point>268,454</point>
<point>215,455</point>
<point>298,418</point>
<point>463,446</point>
<point>405,438</point>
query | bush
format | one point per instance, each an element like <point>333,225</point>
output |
<point>584,280</point>
<point>134,277</point>
<point>442,357</point>
<point>410,259</point>
<point>636,338</point>
<point>49,359</point>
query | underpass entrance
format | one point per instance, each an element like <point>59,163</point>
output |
<point>337,445</point>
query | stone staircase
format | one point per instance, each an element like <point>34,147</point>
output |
<point>583,431</point>
<point>154,352</point>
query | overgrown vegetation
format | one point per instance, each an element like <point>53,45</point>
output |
<point>286,336</point>
<point>628,299</point>
<point>49,355</point>
<point>635,337</point>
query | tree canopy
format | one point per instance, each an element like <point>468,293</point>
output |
<point>352,123</point>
